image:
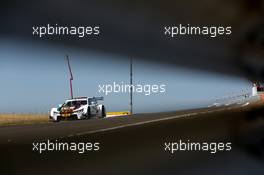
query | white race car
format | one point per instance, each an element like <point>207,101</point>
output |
<point>79,108</point>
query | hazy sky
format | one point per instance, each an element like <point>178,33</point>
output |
<point>34,78</point>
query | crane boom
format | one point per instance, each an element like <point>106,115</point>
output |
<point>71,77</point>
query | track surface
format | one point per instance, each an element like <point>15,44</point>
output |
<point>71,128</point>
<point>135,145</point>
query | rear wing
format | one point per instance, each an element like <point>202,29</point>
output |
<point>97,98</point>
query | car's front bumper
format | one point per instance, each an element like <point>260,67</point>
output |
<point>70,115</point>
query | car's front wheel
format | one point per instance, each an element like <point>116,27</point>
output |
<point>56,119</point>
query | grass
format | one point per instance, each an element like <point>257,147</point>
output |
<point>26,119</point>
<point>22,119</point>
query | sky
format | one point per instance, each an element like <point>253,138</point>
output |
<point>35,77</point>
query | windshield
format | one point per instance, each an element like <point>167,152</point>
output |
<point>75,104</point>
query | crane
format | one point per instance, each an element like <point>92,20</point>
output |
<point>71,77</point>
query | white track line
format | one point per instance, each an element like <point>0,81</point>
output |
<point>246,104</point>
<point>150,121</point>
<point>134,124</point>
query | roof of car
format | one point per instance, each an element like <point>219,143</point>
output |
<point>77,98</point>
<point>84,98</point>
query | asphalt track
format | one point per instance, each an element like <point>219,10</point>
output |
<point>135,144</point>
<point>38,132</point>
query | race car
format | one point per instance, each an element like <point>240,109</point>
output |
<point>78,108</point>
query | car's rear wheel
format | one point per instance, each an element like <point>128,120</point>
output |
<point>88,114</point>
<point>103,113</point>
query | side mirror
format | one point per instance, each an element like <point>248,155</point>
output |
<point>60,105</point>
